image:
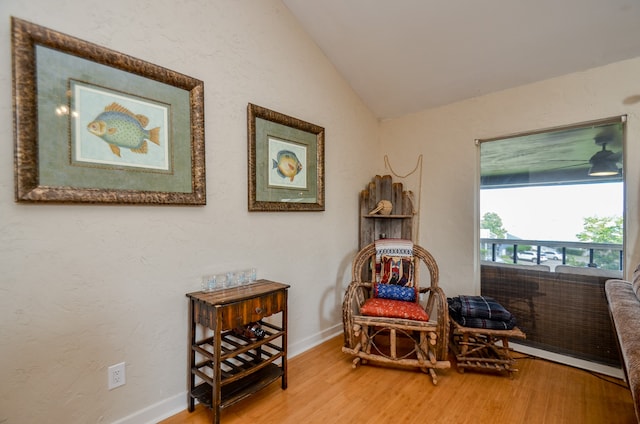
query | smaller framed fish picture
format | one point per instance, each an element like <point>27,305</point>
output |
<point>286,162</point>
<point>92,125</point>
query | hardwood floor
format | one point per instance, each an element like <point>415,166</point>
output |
<point>324,388</point>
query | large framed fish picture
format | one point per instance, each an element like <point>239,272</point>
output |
<point>286,162</point>
<point>92,125</point>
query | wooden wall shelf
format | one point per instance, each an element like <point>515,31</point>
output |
<point>388,216</point>
<point>399,224</point>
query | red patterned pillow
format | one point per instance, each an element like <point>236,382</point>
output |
<point>377,307</point>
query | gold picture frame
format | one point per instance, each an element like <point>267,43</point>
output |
<point>286,162</point>
<point>92,125</point>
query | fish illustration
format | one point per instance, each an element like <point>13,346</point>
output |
<point>119,127</point>
<point>287,164</point>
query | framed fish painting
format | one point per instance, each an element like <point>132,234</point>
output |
<point>286,162</point>
<point>92,125</point>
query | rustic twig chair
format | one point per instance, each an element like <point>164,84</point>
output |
<point>413,335</point>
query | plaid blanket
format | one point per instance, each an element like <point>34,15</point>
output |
<point>479,307</point>
<point>489,324</point>
<point>480,312</point>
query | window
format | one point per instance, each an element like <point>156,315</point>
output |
<point>538,187</point>
<point>551,214</point>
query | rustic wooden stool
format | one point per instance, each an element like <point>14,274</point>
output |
<point>477,348</point>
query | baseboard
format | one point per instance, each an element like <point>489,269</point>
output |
<point>313,341</point>
<point>178,403</point>
<point>158,411</point>
<point>568,360</point>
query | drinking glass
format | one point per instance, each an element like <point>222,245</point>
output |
<point>231,279</point>
<point>209,283</point>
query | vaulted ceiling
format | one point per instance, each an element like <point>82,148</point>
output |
<point>403,56</point>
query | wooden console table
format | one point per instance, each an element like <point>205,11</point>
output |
<point>226,366</point>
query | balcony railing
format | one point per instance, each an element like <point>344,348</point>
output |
<point>592,255</point>
<point>561,306</point>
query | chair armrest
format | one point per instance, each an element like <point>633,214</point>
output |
<point>355,295</point>
<point>438,300</point>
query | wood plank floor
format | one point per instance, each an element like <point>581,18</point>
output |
<point>324,388</point>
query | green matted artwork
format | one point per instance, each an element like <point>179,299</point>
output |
<point>286,162</point>
<point>92,125</point>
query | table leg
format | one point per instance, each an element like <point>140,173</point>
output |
<point>192,357</point>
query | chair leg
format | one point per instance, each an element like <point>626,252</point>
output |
<point>393,351</point>
<point>366,341</point>
<point>423,348</point>
<point>434,376</point>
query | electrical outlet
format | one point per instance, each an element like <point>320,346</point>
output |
<point>116,375</point>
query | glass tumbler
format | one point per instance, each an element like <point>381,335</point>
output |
<point>209,283</point>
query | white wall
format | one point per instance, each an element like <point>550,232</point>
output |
<point>83,287</point>
<point>445,136</point>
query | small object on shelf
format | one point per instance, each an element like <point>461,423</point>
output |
<point>252,331</point>
<point>209,283</point>
<point>384,207</point>
<point>251,275</point>
<point>231,279</point>
<point>214,282</point>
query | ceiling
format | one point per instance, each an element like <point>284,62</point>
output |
<point>404,56</point>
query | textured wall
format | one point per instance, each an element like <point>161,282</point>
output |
<point>84,287</point>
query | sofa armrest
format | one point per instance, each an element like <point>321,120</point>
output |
<point>624,307</point>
